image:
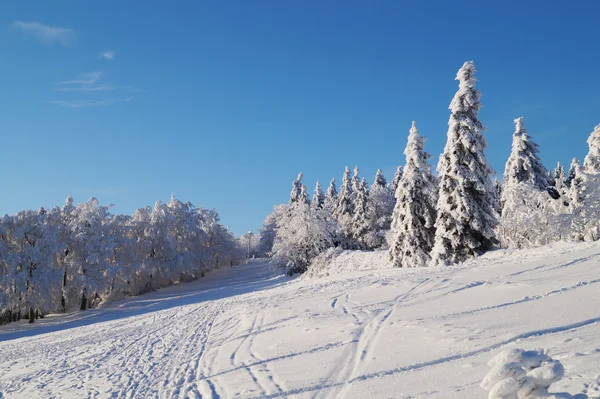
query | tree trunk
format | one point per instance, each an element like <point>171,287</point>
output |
<point>83,301</point>
<point>63,300</point>
<point>31,315</point>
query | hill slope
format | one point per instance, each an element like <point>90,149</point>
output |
<point>249,332</point>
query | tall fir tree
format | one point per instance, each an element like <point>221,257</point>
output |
<point>396,180</point>
<point>466,218</point>
<point>576,182</point>
<point>591,163</point>
<point>331,196</point>
<point>303,197</point>
<point>572,170</point>
<point>296,189</point>
<point>524,164</point>
<point>379,180</point>
<point>381,206</point>
<point>414,214</point>
<point>361,222</point>
<point>560,180</point>
<point>318,200</point>
<point>344,201</point>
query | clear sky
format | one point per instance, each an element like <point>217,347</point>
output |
<point>224,102</point>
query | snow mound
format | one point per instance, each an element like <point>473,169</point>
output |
<point>520,374</point>
<point>338,261</point>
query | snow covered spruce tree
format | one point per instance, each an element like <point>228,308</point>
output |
<point>396,180</point>
<point>526,205</point>
<point>318,200</point>
<point>344,211</point>
<point>466,218</point>
<point>331,197</point>
<point>591,163</point>
<point>362,222</point>
<point>413,220</point>
<point>301,234</point>
<point>296,189</point>
<point>381,206</point>
<point>524,164</point>
<point>585,190</point>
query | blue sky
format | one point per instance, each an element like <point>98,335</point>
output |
<point>223,103</point>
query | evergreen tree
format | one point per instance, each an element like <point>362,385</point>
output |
<point>577,180</point>
<point>560,181</point>
<point>296,189</point>
<point>414,214</point>
<point>498,189</point>
<point>465,210</point>
<point>381,206</point>
<point>318,200</point>
<point>524,165</point>
<point>591,163</point>
<point>331,196</point>
<point>361,222</point>
<point>355,185</point>
<point>572,170</point>
<point>344,200</point>
<point>303,198</point>
<point>396,180</point>
<point>379,181</point>
<point>344,211</point>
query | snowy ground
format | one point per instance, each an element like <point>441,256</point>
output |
<point>247,332</point>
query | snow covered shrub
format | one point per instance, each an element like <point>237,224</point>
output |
<point>531,217</point>
<point>520,374</point>
<point>302,233</point>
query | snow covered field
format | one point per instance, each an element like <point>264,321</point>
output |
<point>387,333</point>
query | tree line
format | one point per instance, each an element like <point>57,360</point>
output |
<point>77,256</point>
<point>461,212</point>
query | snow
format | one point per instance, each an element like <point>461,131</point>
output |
<point>250,332</point>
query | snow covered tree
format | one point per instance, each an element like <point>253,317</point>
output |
<point>465,210</point>
<point>591,163</point>
<point>344,200</point>
<point>362,223</point>
<point>379,180</point>
<point>524,164</point>
<point>331,197</point>
<point>268,230</point>
<point>296,192</point>
<point>301,234</point>
<point>396,180</point>
<point>576,180</point>
<point>318,200</point>
<point>344,211</point>
<point>571,172</point>
<point>414,214</point>
<point>560,183</point>
<point>381,206</point>
<point>356,181</point>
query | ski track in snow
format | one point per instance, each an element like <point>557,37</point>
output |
<point>248,332</point>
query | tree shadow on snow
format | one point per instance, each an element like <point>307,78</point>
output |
<point>218,284</point>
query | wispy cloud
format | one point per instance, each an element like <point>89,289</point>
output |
<point>85,82</point>
<point>108,55</point>
<point>89,103</point>
<point>90,83</point>
<point>48,34</point>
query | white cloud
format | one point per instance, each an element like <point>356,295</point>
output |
<point>85,79</point>
<point>108,55</point>
<point>89,103</point>
<point>98,93</point>
<point>48,34</point>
